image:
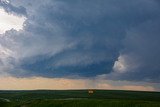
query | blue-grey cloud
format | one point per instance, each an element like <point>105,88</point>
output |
<point>83,38</point>
<point>142,51</point>
<point>9,8</point>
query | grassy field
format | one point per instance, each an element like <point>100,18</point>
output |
<point>79,98</point>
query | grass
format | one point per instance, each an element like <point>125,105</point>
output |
<point>79,98</point>
<point>92,103</point>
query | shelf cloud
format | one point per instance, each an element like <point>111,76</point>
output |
<point>83,38</point>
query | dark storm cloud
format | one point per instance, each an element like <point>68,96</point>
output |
<point>83,37</point>
<point>142,49</point>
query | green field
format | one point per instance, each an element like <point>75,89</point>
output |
<point>79,98</point>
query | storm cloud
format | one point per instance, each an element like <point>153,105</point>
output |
<point>83,38</point>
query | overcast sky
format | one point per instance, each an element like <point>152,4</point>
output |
<point>109,44</point>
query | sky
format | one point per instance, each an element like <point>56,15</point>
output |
<point>80,44</point>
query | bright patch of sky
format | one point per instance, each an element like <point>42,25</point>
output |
<point>9,21</point>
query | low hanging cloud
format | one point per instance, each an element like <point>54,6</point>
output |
<point>83,38</point>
